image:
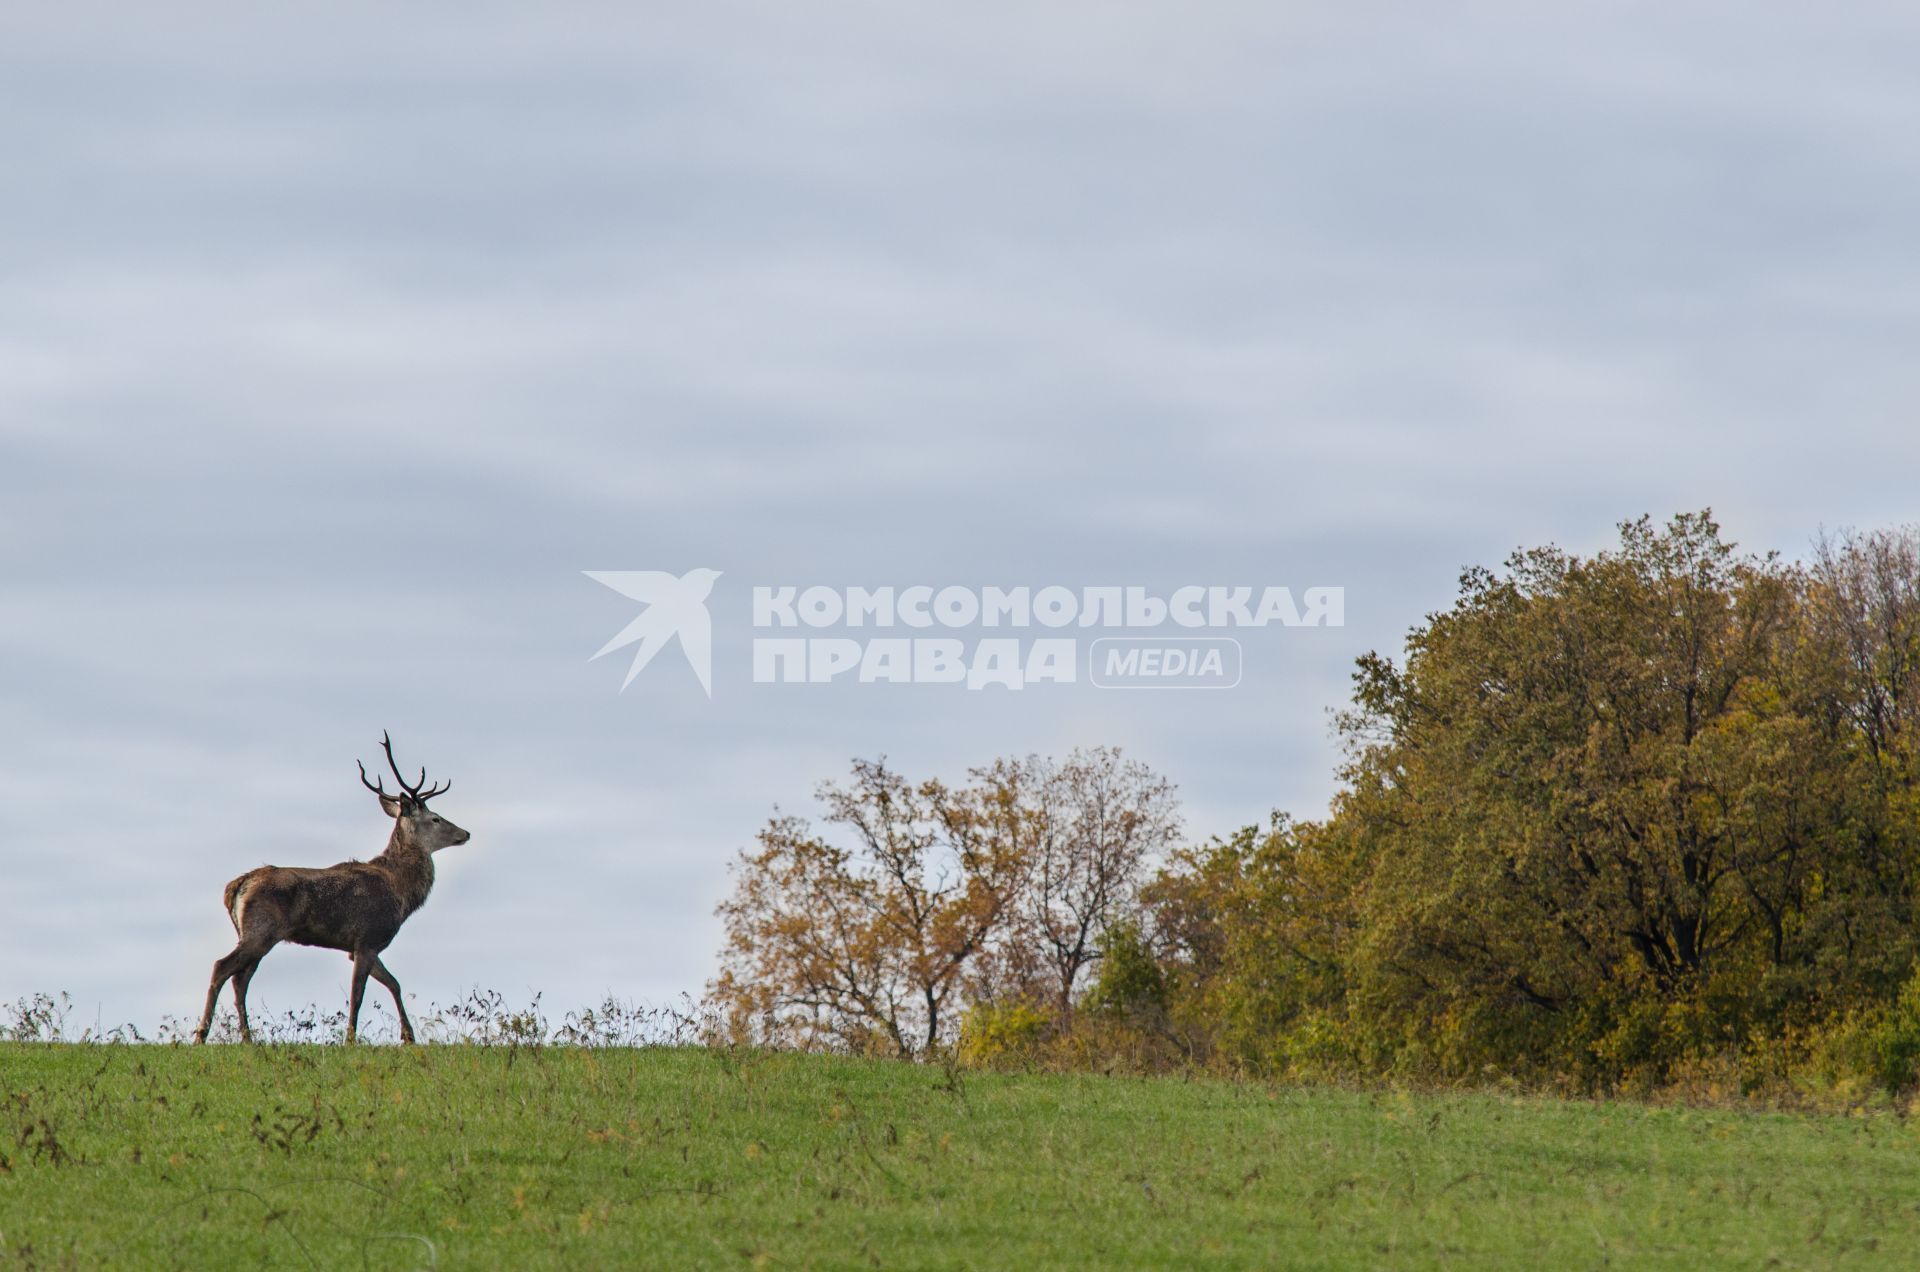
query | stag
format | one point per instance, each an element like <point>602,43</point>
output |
<point>356,906</point>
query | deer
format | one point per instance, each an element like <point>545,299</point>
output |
<point>356,906</point>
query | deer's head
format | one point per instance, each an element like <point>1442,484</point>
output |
<point>414,824</point>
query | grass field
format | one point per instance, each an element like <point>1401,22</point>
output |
<point>485,1157</point>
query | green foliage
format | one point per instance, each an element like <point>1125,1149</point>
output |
<point>1252,931</point>
<point>1613,823</point>
<point>504,1157</point>
<point>1130,985</point>
<point>1619,814</point>
<point>1896,1041</point>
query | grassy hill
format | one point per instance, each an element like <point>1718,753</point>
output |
<point>459,1157</point>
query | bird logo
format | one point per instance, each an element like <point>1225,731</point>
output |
<point>674,607</point>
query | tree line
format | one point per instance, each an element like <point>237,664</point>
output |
<point>1605,820</point>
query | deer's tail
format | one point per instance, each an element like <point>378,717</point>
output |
<point>232,898</point>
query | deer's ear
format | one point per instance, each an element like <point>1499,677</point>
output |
<point>390,806</point>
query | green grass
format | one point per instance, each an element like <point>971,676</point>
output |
<point>464,1157</point>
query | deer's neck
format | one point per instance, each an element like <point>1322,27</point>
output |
<point>411,868</point>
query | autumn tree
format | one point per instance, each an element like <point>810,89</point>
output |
<point>861,941</point>
<point>915,900</point>
<point>1862,679</point>
<point>1084,830</point>
<point>1622,807</point>
<point>1252,932</point>
<point>1603,814</point>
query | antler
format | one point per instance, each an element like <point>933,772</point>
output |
<point>412,789</point>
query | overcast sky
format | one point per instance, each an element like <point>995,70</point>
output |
<point>333,349</point>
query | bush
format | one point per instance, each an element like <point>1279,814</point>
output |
<point>1131,985</point>
<point>1896,1041</point>
<point>1003,1035</point>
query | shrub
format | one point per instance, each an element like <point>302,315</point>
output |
<point>1896,1041</point>
<point>1003,1035</point>
<point>1131,985</point>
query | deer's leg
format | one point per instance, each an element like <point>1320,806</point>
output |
<point>363,962</point>
<point>223,969</point>
<point>220,974</point>
<point>242,979</point>
<point>380,973</point>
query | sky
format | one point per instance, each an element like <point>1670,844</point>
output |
<point>336,342</point>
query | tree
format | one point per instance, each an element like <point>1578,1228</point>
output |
<point>922,899</point>
<point>1085,829</point>
<point>862,945</point>
<point>1606,814</point>
<point>1251,932</point>
<point>1609,806</point>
